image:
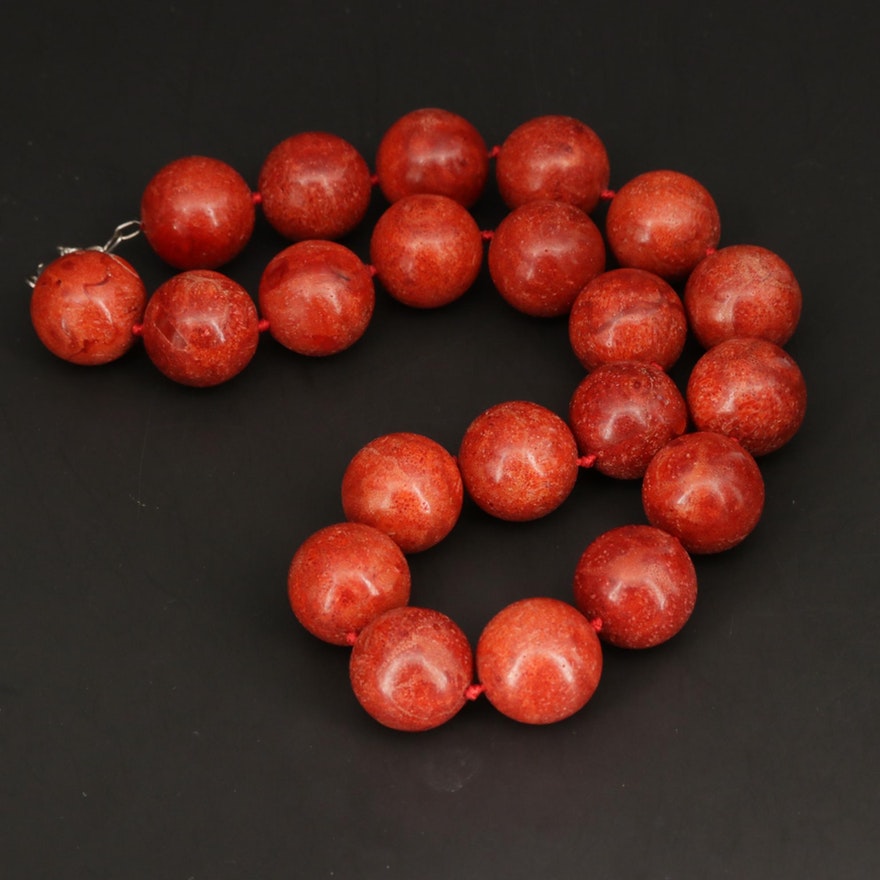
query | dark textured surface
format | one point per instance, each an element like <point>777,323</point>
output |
<point>162,714</point>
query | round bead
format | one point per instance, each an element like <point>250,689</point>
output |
<point>84,305</point>
<point>200,328</point>
<point>518,461</point>
<point>317,296</point>
<point>197,213</point>
<point>427,250</point>
<point>552,157</point>
<point>405,485</point>
<point>542,255</point>
<point>410,668</point>
<point>539,660</point>
<point>742,290</point>
<point>314,185</point>
<point>704,489</point>
<point>432,151</point>
<point>342,577</point>
<point>749,389</point>
<point>623,414</point>
<point>627,315</point>
<point>663,222</point>
<point>638,583</point>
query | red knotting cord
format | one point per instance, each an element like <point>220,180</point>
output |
<point>473,691</point>
<point>586,461</point>
<point>351,637</point>
<point>263,325</point>
<point>373,271</point>
<point>137,329</point>
<point>487,234</point>
<point>607,194</point>
<point>710,251</point>
<point>256,198</point>
<point>374,180</point>
<point>596,623</point>
<point>493,153</point>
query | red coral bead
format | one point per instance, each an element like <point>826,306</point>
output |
<point>200,328</point>
<point>197,213</point>
<point>314,185</point>
<point>342,577</point>
<point>539,660</point>
<point>84,305</point>
<point>749,389</point>
<point>432,151</point>
<point>638,584</point>
<point>411,668</point>
<point>623,414</point>
<point>704,489</point>
<point>663,222</point>
<point>317,296</point>
<point>542,255</point>
<point>405,485</point>
<point>627,315</point>
<point>427,250</point>
<point>552,157</point>
<point>742,290</point>
<point>518,461</point>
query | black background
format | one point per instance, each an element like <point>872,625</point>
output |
<point>162,715</point>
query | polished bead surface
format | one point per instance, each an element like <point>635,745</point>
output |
<point>200,328</point>
<point>542,255</point>
<point>84,305</point>
<point>314,185</point>
<point>317,296</point>
<point>552,157</point>
<point>405,485</point>
<point>539,660</point>
<point>663,222</point>
<point>638,584</point>
<point>623,414</point>
<point>704,489</point>
<point>742,290</point>
<point>343,576</point>
<point>197,213</point>
<point>749,389</point>
<point>432,151</point>
<point>410,668</point>
<point>427,250</point>
<point>518,461</point>
<point>627,315</point>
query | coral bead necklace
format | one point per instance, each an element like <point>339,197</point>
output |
<point>538,660</point>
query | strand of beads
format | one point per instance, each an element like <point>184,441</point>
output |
<point>538,660</point>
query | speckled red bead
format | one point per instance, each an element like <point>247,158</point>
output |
<point>343,576</point>
<point>317,296</point>
<point>623,414</point>
<point>197,213</point>
<point>552,157</point>
<point>542,255</point>
<point>663,222</point>
<point>84,305</point>
<point>427,250</point>
<point>314,185</point>
<point>749,389</point>
<point>432,151</point>
<point>627,315</point>
<point>539,660</point>
<point>200,328</point>
<point>704,489</point>
<point>410,668</point>
<point>742,290</point>
<point>637,584</point>
<point>405,485</point>
<point>518,461</point>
